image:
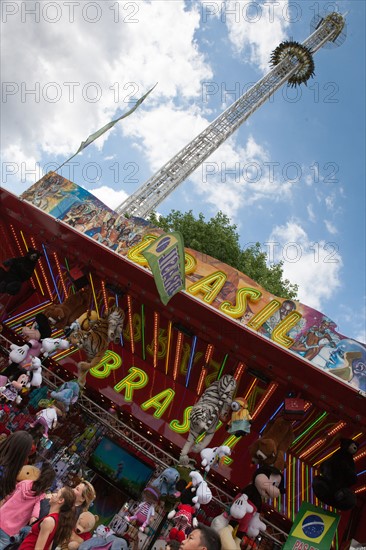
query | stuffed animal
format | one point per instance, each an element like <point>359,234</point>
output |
<point>271,447</point>
<point>21,357</point>
<point>18,271</point>
<point>239,424</point>
<point>84,322</point>
<point>28,472</point>
<point>255,526</point>
<point>94,342</point>
<point>62,315</point>
<point>85,524</point>
<point>48,417</point>
<point>166,482</point>
<point>337,475</point>
<point>67,394</point>
<point>267,483</point>
<point>211,457</point>
<point>103,531</point>
<point>202,491</point>
<point>184,515</point>
<point>145,511</point>
<point>116,317</point>
<point>50,345</point>
<point>35,371</point>
<point>11,389</point>
<point>40,329</point>
<point>213,405</point>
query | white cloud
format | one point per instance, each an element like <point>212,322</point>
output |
<point>308,264</point>
<point>255,29</point>
<point>331,227</point>
<point>356,319</point>
<point>109,196</point>
<point>311,214</point>
<point>84,72</point>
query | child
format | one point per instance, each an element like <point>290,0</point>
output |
<point>202,538</point>
<point>57,526</point>
<point>14,452</point>
<point>23,504</point>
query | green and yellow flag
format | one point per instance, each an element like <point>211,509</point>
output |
<point>313,529</point>
<point>165,257</point>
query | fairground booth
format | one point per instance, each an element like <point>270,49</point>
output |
<point>132,416</point>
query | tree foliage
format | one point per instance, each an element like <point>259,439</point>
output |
<point>218,238</point>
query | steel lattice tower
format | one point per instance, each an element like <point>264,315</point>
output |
<point>292,62</point>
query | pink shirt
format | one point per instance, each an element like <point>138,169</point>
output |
<point>19,507</point>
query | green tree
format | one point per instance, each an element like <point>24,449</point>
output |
<point>218,238</point>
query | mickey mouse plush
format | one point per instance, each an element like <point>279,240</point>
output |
<point>337,474</point>
<point>18,271</point>
<point>267,483</point>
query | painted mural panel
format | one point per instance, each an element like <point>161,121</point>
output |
<point>290,324</point>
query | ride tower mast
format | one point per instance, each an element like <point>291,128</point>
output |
<point>292,62</point>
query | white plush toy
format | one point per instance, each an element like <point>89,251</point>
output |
<point>219,522</point>
<point>202,490</point>
<point>49,345</point>
<point>211,457</point>
<point>255,526</point>
<point>240,507</point>
<point>36,373</point>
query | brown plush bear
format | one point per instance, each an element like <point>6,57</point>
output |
<point>62,315</point>
<point>271,447</point>
<point>28,472</point>
<point>82,531</point>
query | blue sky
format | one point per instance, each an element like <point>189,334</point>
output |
<point>291,178</point>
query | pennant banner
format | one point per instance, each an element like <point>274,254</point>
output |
<point>107,127</point>
<point>313,529</point>
<point>165,257</point>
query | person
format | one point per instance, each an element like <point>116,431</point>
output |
<point>84,496</point>
<point>22,505</point>
<point>57,526</point>
<point>172,545</point>
<point>14,452</point>
<point>201,538</point>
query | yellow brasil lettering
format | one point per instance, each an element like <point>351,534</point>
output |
<point>159,402</point>
<point>184,427</point>
<point>209,286</point>
<point>111,361</point>
<point>136,380</point>
<point>261,317</point>
<point>243,295</point>
<point>279,332</point>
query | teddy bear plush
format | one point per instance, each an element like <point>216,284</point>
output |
<point>82,532</point>
<point>62,315</point>
<point>337,475</point>
<point>17,271</point>
<point>28,472</point>
<point>270,449</point>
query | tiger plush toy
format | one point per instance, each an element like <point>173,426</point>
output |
<point>95,341</point>
<point>214,405</point>
<point>116,317</point>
